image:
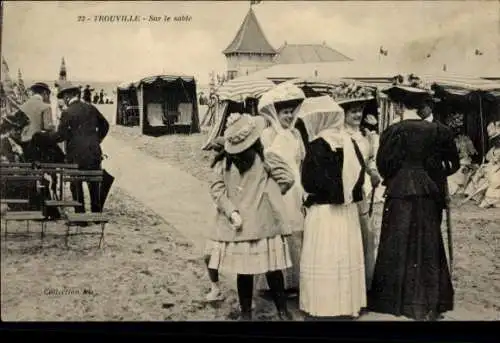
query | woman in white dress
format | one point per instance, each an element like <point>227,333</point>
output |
<point>278,106</point>
<point>368,143</point>
<point>332,272</point>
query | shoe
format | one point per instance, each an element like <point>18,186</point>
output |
<point>214,295</point>
<point>292,293</point>
<point>245,316</point>
<point>285,315</point>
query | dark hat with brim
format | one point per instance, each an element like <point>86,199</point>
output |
<point>66,87</point>
<point>410,96</point>
<point>399,92</point>
<point>293,103</point>
<point>40,86</point>
<point>355,103</point>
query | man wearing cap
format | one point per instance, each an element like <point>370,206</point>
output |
<point>83,128</point>
<point>39,111</point>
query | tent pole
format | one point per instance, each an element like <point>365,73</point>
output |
<point>481,118</point>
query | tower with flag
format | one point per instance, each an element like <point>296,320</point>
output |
<point>250,50</point>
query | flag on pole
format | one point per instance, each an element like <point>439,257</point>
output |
<point>383,52</point>
<point>255,2</point>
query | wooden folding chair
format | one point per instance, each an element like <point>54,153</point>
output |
<point>58,170</point>
<point>16,165</point>
<point>21,173</point>
<point>73,219</point>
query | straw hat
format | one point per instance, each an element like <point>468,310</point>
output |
<point>349,93</point>
<point>65,87</point>
<point>242,132</point>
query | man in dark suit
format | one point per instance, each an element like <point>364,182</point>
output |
<point>83,128</point>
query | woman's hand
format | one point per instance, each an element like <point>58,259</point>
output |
<point>375,179</point>
<point>236,220</point>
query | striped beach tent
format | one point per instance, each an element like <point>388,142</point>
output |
<point>242,88</point>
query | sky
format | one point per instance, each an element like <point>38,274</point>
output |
<point>36,35</point>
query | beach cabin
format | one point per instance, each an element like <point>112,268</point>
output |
<point>159,105</point>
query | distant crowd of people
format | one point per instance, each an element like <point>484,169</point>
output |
<point>98,98</point>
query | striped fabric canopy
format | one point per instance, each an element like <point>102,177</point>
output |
<point>459,85</point>
<point>241,88</point>
<point>323,85</point>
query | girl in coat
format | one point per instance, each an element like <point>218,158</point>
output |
<point>248,237</point>
<point>332,272</point>
<point>411,275</point>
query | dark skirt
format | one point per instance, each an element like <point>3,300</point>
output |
<point>411,276</point>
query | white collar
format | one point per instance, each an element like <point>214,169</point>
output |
<point>37,96</point>
<point>430,118</point>
<point>410,114</point>
<point>72,100</point>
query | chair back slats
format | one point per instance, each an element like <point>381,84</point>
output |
<point>58,166</point>
<point>20,171</point>
<point>83,178</point>
<point>22,177</point>
<point>15,165</point>
<point>83,175</point>
<point>84,172</point>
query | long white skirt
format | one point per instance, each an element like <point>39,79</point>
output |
<point>332,273</point>
<point>250,257</point>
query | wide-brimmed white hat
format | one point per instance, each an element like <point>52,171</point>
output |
<point>242,131</point>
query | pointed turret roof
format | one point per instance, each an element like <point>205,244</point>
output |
<point>62,71</point>
<point>250,38</point>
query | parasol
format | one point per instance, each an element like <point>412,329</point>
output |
<point>241,88</point>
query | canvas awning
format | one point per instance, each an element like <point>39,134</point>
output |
<point>241,88</point>
<point>151,79</point>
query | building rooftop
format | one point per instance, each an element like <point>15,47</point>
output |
<point>250,38</point>
<point>308,53</point>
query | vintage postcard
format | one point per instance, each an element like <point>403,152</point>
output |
<point>250,160</point>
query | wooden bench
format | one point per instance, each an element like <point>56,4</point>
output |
<point>22,173</point>
<point>77,219</point>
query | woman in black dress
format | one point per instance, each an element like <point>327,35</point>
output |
<point>411,275</point>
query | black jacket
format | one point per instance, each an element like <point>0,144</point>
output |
<point>83,128</point>
<point>321,174</point>
<point>415,157</point>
